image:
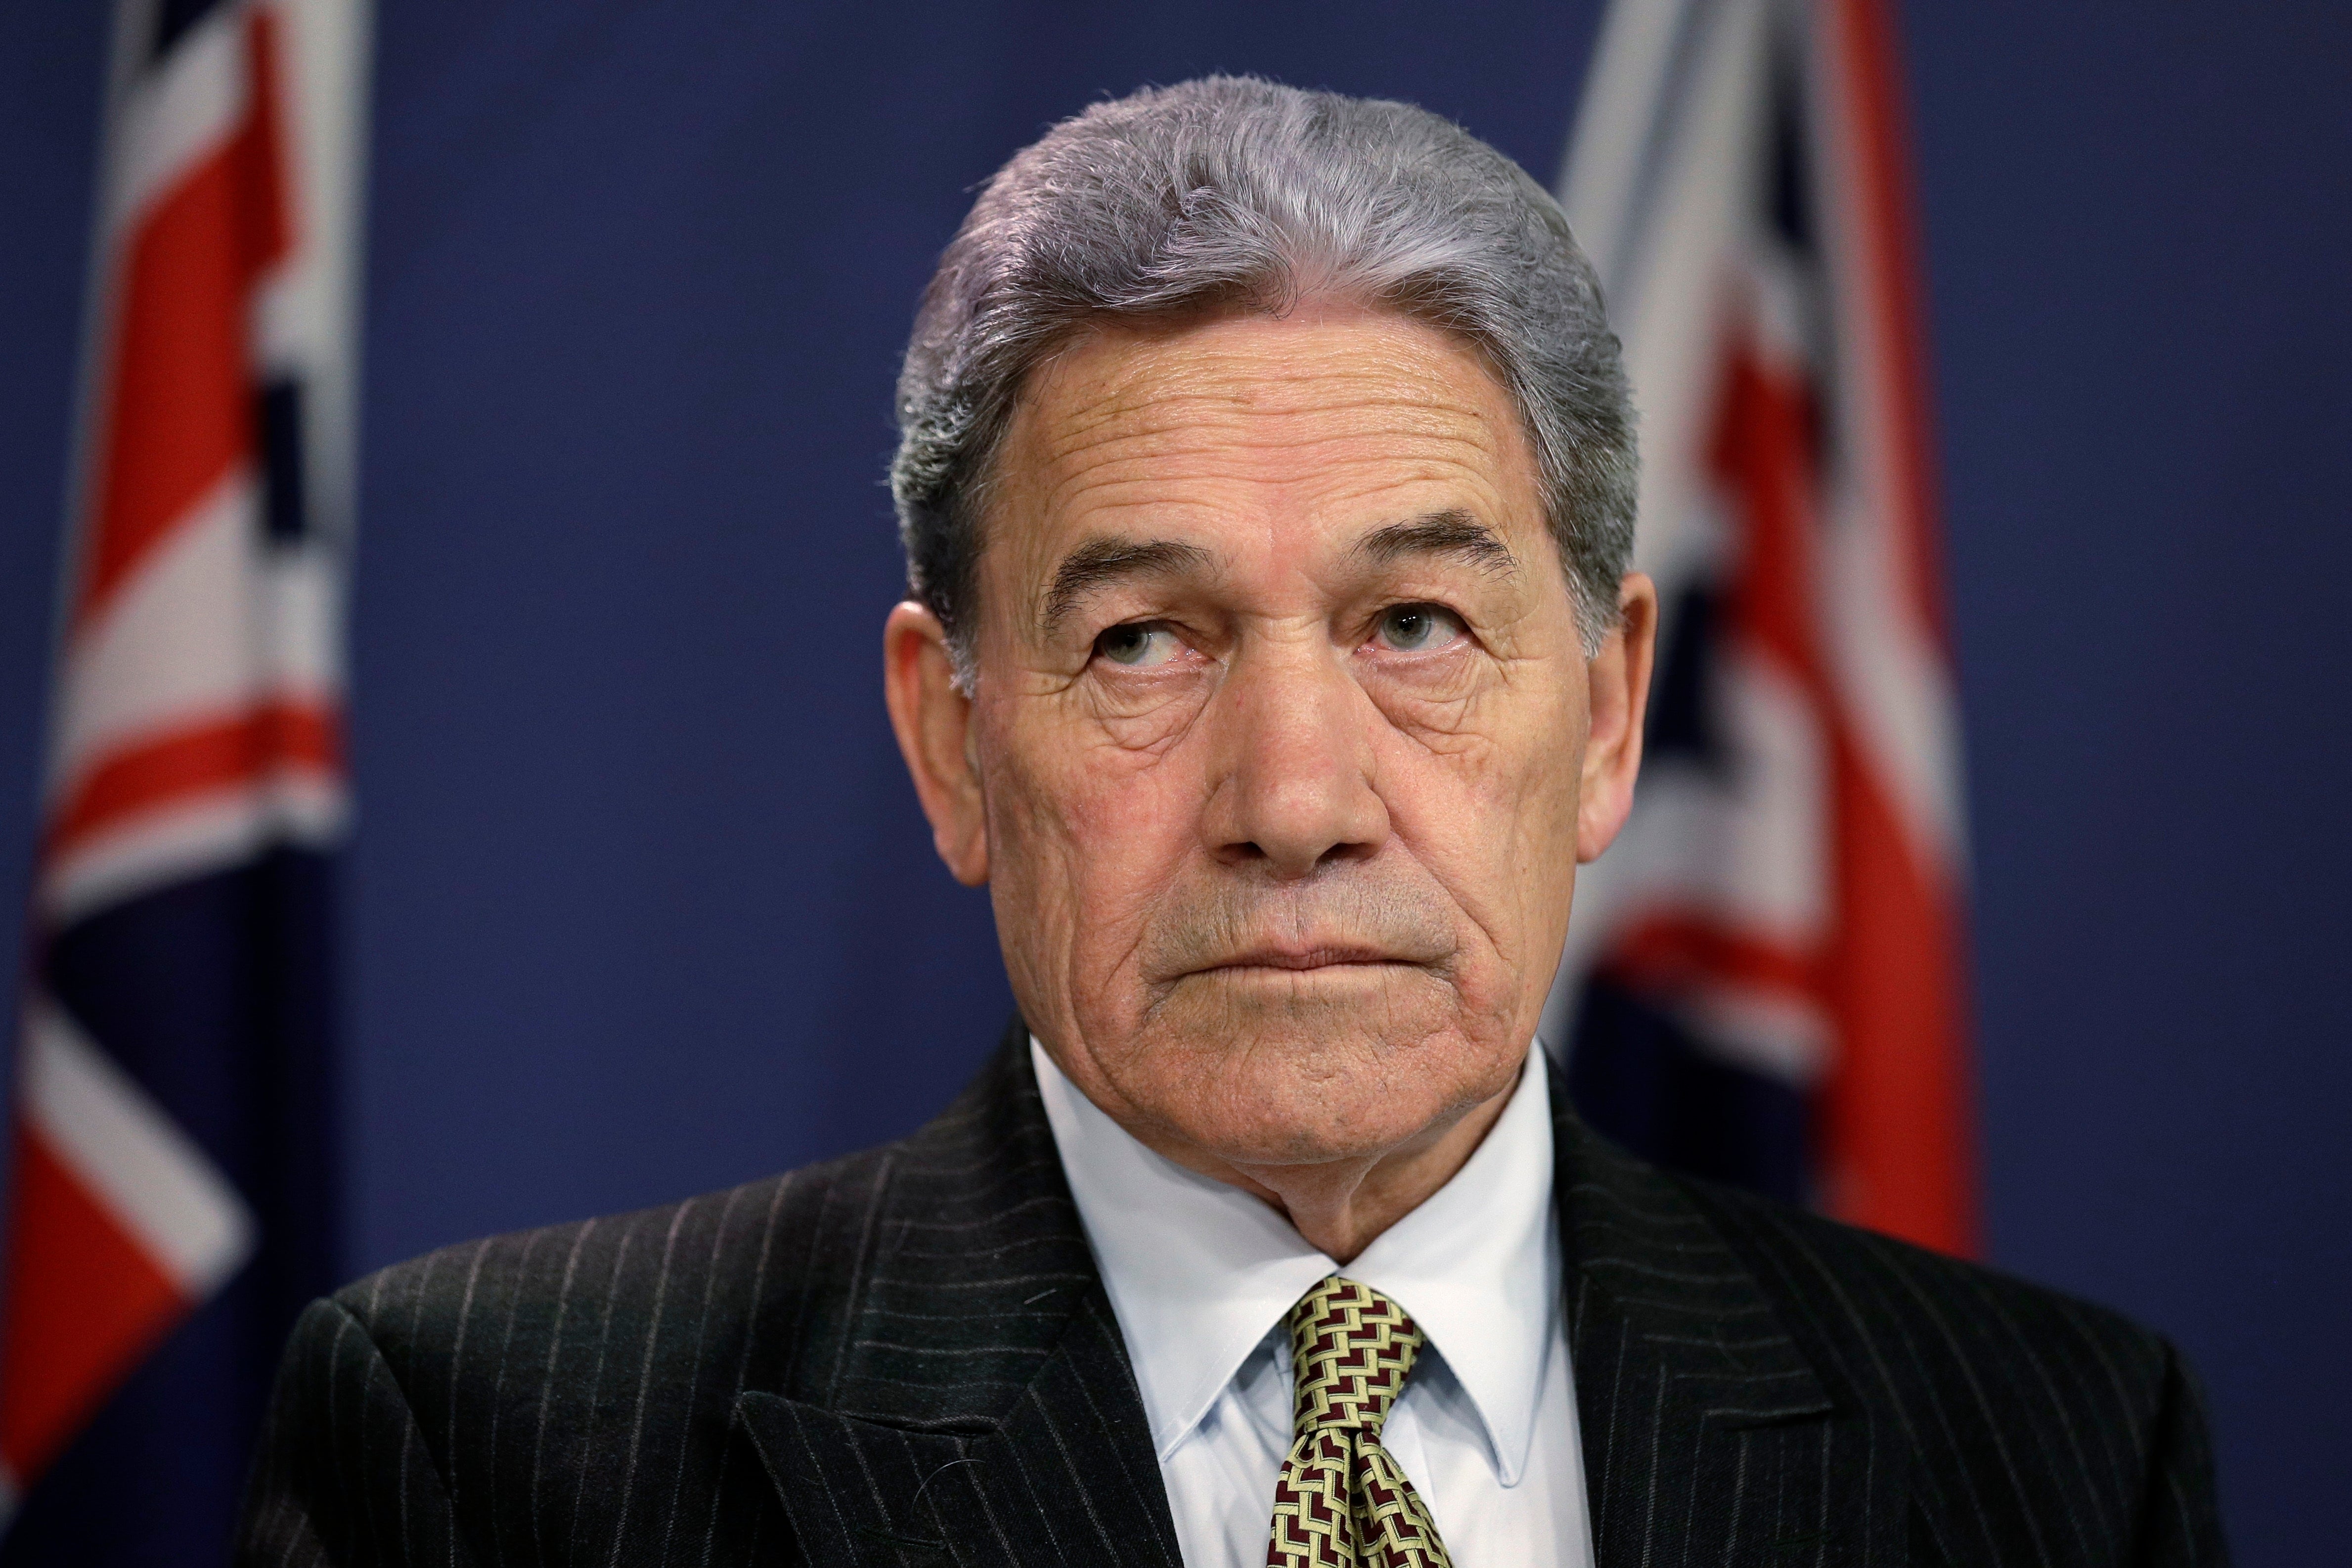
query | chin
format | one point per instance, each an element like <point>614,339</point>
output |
<point>1302,1067</point>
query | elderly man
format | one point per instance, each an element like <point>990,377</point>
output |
<point>1266,486</point>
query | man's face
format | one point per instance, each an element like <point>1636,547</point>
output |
<point>1277,741</point>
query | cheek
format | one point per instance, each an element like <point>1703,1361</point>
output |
<point>1097,830</point>
<point>1489,805</point>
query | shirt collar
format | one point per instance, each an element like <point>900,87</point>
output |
<point>1199,1271</point>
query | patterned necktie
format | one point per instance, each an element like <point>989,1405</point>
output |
<point>1341,1502</point>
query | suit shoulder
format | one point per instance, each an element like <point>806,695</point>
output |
<point>2029,1414</point>
<point>1905,1324</point>
<point>781,1255</point>
<point>730,1256</point>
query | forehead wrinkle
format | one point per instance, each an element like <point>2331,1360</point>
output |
<point>1254,453</point>
<point>1176,480</point>
<point>1178,452</point>
<point>1137,497</point>
<point>1168,402</point>
<point>1095,389</point>
<point>1142,409</point>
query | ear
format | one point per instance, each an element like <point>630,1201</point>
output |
<point>933,721</point>
<point>1620,701</point>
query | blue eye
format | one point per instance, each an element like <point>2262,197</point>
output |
<point>1138,645</point>
<point>1418,628</point>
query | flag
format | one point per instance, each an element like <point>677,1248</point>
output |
<point>1765,980</point>
<point>171,1181</point>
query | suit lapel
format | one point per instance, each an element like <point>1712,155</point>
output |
<point>983,1409</point>
<point>1708,1437</point>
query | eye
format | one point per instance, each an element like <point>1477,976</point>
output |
<point>1138,645</point>
<point>1418,628</point>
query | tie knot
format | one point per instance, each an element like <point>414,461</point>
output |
<point>1351,1349</point>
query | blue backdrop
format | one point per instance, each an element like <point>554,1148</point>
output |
<point>642,904</point>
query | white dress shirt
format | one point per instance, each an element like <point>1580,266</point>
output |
<point>1200,1275</point>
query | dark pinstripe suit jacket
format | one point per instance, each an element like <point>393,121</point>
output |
<point>907,1358</point>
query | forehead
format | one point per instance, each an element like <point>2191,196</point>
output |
<point>1303,430</point>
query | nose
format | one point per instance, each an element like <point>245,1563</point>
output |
<point>1297,790</point>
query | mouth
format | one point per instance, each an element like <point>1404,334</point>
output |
<point>1307,961</point>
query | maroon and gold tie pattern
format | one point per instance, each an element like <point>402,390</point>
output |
<point>1341,1502</point>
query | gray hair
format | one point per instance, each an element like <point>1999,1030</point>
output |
<point>1232,192</point>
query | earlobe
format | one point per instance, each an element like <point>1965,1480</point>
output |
<point>1619,691</point>
<point>932,719</point>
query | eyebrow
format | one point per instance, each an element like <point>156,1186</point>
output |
<point>1447,534</point>
<point>1099,563</point>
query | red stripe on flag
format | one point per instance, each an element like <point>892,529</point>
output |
<point>1888,235</point>
<point>1897,1127</point>
<point>265,148</point>
<point>180,411</point>
<point>196,760</point>
<point>85,1303</point>
<point>1899,1123</point>
<point>1674,951</point>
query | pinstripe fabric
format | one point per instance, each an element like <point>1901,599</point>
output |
<point>1757,1385</point>
<point>906,1358</point>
